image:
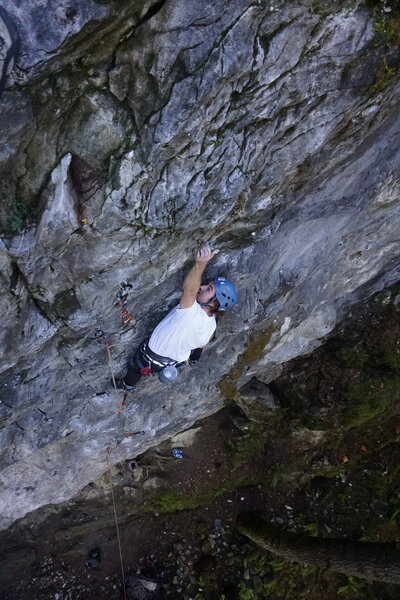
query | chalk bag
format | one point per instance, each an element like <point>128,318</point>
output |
<point>168,374</point>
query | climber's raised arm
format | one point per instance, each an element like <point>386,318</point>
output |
<point>192,282</point>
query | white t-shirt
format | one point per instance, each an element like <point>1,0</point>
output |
<point>182,330</point>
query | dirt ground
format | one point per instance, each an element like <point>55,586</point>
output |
<point>149,538</point>
<point>324,463</point>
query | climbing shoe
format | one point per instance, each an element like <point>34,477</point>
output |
<point>121,385</point>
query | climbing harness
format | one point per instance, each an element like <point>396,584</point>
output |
<point>167,368</point>
<point>124,289</point>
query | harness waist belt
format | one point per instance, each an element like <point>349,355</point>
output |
<point>161,361</point>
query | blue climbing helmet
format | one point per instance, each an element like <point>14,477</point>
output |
<point>225,292</point>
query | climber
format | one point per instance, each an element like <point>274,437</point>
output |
<point>180,337</point>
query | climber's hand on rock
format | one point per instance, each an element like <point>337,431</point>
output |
<point>205,254</point>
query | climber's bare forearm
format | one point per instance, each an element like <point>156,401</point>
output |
<point>192,281</point>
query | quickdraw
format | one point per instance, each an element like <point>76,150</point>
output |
<point>124,289</point>
<point>101,338</point>
<point>123,405</point>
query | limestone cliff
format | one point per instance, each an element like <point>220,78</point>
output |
<point>131,133</point>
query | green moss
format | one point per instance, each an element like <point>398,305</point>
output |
<point>126,143</point>
<point>278,478</point>
<point>351,356</point>
<point>386,15</point>
<point>354,588</point>
<point>326,471</point>
<point>311,529</point>
<point>38,290</point>
<point>290,579</point>
<point>370,400</point>
<point>15,215</point>
<point>383,76</point>
<point>227,388</point>
<point>244,592</point>
<point>66,342</point>
<point>383,355</point>
<point>150,230</point>
<point>253,351</point>
<point>244,447</point>
<point>89,528</point>
<point>257,560</point>
<point>175,501</point>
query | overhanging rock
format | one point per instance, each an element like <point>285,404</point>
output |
<point>142,132</point>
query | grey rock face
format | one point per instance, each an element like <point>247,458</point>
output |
<point>130,136</point>
<point>9,46</point>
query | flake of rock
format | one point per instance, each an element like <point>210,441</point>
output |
<point>119,81</point>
